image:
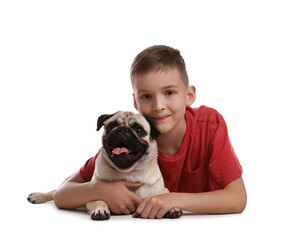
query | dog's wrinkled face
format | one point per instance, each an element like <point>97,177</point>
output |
<point>127,138</point>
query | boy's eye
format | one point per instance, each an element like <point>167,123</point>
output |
<point>145,96</point>
<point>170,93</point>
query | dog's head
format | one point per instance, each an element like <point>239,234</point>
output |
<point>128,140</point>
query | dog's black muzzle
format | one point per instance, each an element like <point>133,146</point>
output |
<point>124,137</point>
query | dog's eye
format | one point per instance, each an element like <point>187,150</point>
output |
<point>111,125</point>
<point>139,130</point>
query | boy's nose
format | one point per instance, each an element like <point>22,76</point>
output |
<point>158,104</point>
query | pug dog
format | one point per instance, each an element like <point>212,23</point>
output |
<point>129,152</point>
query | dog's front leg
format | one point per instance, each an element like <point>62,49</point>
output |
<point>98,210</point>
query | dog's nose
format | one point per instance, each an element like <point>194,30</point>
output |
<point>125,130</point>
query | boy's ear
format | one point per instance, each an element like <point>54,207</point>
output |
<point>134,102</point>
<point>154,132</point>
<point>191,95</point>
<point>102,119</point>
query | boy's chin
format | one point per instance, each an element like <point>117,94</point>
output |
<point>163,129</point>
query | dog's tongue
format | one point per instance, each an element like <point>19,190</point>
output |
<point>119,151</point>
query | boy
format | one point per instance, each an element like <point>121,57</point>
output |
<point>196,158</point>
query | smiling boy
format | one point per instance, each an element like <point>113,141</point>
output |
<point>196,158</point>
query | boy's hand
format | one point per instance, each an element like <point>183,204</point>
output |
<point>119,198</point>
<point>155,206</point>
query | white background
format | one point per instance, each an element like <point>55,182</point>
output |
<point>63,63</point>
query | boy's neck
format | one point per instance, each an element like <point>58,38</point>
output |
<point>171,142</point>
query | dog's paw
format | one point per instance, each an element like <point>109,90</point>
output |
<point>173,213</point>
<point>98,210</point>
<point>37,198</point>
<point>100,214</point>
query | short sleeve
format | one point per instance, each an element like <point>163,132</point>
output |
<point>223,163</point>
<point>87,170</point>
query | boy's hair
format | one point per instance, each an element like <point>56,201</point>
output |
<point>159,57</point>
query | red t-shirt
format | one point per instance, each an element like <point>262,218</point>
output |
<point>206,160</point>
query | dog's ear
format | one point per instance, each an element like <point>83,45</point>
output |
<point>154,131</point>
<point>102,119</point>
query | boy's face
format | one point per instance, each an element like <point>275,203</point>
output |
<point>162,97</point>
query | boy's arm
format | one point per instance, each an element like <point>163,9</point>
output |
<point>75,192</point>
<point>231,199</point>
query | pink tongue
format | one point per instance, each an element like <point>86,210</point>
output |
<point>119,151</point>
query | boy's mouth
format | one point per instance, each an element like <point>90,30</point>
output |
<point>160,118</point>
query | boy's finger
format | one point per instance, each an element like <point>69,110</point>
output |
<point>137,200</point>
<point>131,208</point>
<point>135,215</point>
<point>139,209</point>
<point>132,185</point>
